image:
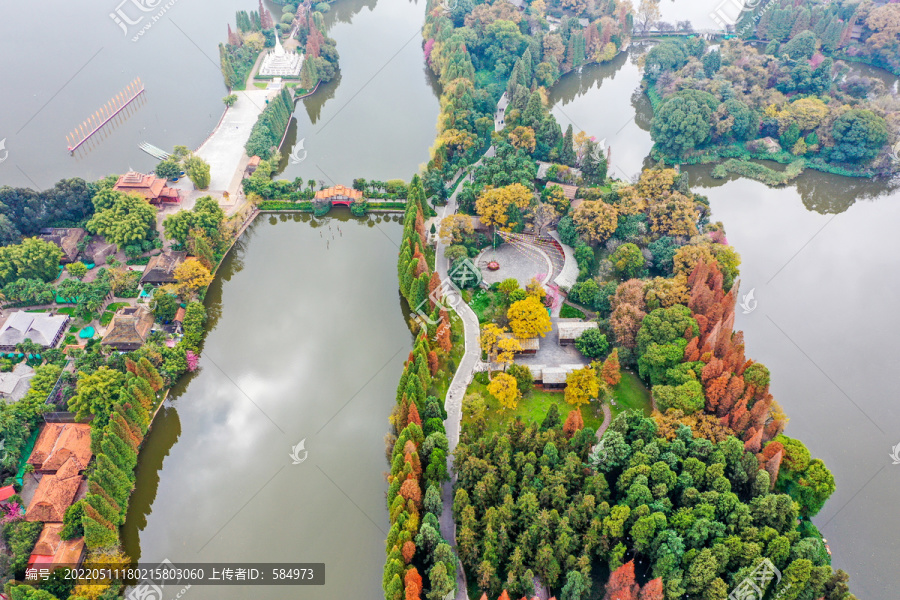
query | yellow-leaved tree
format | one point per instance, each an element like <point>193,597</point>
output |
<point>505,389</point>
<point>581,386</point>
<point>190,277</point>
<point>528,318</point>
<point>454,228</point>
<point>596,221</point>
<point>507,348</point>
<point>493,204</point>
<point>490,336</point>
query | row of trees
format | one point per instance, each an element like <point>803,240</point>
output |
<point>833,23</point>
<point>121,405</point>
<point>420,562</point>
<point>271,125</point>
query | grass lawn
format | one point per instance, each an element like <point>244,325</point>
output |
<point>116,306</point>
<point>106,317</point>
<point>629,394</point>
<point>67,310</point>
<point>570,312</point>
<point>487,305</point>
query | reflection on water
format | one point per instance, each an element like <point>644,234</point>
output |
<point>820,254</point>
<point>306,341</point>
<point>592,99</point>
<point>823,193</point>
<point>378,120</point>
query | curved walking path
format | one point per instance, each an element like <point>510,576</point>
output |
<point>465,371</point>
<point>607,420</point>
<point>453,402</point>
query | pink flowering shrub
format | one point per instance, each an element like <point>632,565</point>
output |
<point>192,360</point>
<point>428,46</point>
<point>12,511</point>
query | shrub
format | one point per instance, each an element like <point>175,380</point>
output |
<point>523,377</point>
<point>20,538</point>
<point>592,343</point>
<point>72,525</point>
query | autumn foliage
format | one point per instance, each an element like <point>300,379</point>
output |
<point>622,586</point>
<point>611,371</point>
<point>574,423</point>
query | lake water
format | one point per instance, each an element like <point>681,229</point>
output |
<point>820,256</point>
<point>306,343</point>
<point>377,119</point>
<point>303,322</point>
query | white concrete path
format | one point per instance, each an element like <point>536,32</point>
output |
<point>224,151</point>
<point>465,371</point>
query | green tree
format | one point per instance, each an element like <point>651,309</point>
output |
<point>682,123</point>
<point>123,219</point>
<point>168,169</point>
<point>76,269</point>
<point>858,135</point>
<point>96,393</point>
<point>628,261</point>
<point>165,306</point>
<point>32,259</point>
<point>197,170</point>
<point>592,343</point>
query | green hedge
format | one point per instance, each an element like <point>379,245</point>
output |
<point>270,126</point>
<point>284,205</point>
<point>759,172</point>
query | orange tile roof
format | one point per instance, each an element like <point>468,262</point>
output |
<point>53,496</point>
<point>568,190</point>
<point>59,441</point>
<point>338,190</point>
<point>150,187</point>
<point>52,549</point>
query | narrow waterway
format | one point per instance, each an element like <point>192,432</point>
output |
<point>306,342</point>
<point>819,255</point>
<point>377,119</point>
